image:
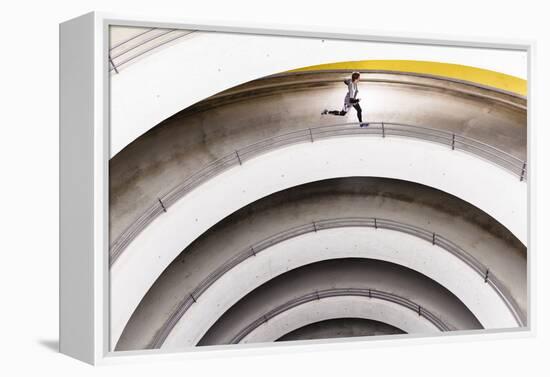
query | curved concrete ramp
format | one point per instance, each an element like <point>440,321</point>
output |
<point>137,268</point>
<point>235,58</point>
<point>389,246</point>
<point>473,230</point>
<point>336,275</point>
<point>340,328</point>
<point>168,216</point>
<point>182,145</point>
<point>328,308</point>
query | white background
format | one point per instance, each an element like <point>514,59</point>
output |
<point>29,189</point>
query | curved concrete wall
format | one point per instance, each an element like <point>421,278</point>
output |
<point>187,142</point>
<point>340,307</point>
<point>339,274</point>
<point>230,59</point>
<point>137,268</point>
<point>403,201</point>
<point>340,328</point>
<point>379,244</point>
<point>180,145</point>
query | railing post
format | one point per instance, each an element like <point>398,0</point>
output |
<point>162,205</point>
<point>317,293</point>
<point>113,64</point>
<point>433,238</point>
<point>383,130</point>
<point>453,143</point>
<point>253,251</point>
<point>370,293</point>
<point>419,309</point>
<point>192,297</point>
<point>486,276</point>
<point>522,177</point>
<point>314,226</point>
<point>310,135</point>
<point>238,157</point>
<point>375,224</point>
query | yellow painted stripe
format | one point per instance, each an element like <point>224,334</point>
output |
<point>455,71</point>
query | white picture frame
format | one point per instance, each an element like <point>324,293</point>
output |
<point>84,157</point>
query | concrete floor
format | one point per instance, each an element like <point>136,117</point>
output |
<point>403,201</point>
<point>184,143</point>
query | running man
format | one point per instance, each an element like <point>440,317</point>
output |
<point>351,100</point>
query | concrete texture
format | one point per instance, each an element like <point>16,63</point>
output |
<point>340,328</point>
<point>181,145</point>
<point>336,243</point>
<point>467,226</point>
<point>135,271</point>
<point>218,61</point>
<point>340,307</point>
<point>341,273</point>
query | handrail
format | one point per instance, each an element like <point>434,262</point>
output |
<point>147,31</point>
<point>114,65</point>
<point>503,159</point>
<point>131,48</point>
<point>316,226</point>
<point>339,292</point>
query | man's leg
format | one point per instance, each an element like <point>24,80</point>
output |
<point>359,112</point>
<point>360,115</point>
<point>337,112</point>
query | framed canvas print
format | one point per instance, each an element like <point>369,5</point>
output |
<point>229,188</point>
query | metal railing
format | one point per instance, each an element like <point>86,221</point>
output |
<point>368,222</point>
<point>140,44</point>
<point>505,160</point>
<point>131,38</point>
<point>339,292</point>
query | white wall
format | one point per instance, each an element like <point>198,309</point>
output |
<point>159,85</point>
<point>460,174</point>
